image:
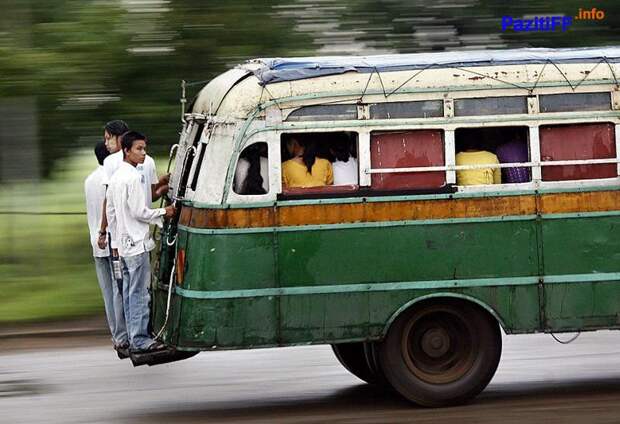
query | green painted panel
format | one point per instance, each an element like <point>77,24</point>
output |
<point>159,300</point>
<point>581,245</point>
<point>229,262</point>
<point>407,253</point>
<point>519,306</point>
<point>582,305</point>
<point>229,322</point>
<point>324,317</point>
<point>327,317</point>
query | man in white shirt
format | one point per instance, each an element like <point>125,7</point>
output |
<point>128,223</point>
<point>112,296</point>
<point>154,188</point>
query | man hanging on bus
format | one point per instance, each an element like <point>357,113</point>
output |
<point>129,220</point>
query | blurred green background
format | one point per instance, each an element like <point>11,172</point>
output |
<point>69,66</point>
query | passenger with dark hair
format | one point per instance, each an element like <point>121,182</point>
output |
<point>252,173</point>
<point>345,165</point>
<point>112,297</point>
<point>129,219</point>
<point>112,132</point>
<point>305,169</point>
<point>154,187</point>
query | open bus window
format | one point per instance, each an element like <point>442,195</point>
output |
<point>252,172</point>
<point>318,163</point>
<point>407,149</point>
<point>476,147</point>
<point>578,142</point>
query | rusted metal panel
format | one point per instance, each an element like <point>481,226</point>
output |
<point>364,212</point>
<point>593,201</point>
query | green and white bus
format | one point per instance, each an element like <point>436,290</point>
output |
<point>410,276</point>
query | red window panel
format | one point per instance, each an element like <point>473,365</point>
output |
<point>578,141</point>
<point>407,149</point>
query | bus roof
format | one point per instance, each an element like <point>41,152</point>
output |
<point>238,92</point>
<point>272,70</point>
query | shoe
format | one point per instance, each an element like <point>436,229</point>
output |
<point>122,351</point>
<point>153,347</point>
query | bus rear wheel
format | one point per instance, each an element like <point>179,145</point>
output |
<point>360,360</point>
<point>441,353</point>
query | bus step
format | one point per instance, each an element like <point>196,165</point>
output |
<point>160,357</point>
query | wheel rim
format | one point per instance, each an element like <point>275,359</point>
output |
<point>439,345</point>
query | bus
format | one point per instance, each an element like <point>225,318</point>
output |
<point>409,273</point>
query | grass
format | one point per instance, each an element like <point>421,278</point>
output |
<point>46,266</point>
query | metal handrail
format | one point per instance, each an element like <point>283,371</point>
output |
<point>491,166</point>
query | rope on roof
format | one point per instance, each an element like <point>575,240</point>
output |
<point>611,69</point>
<point>386,94</point>
<point>381,81</point>
<point>563,75</point>
<point>409,79</point>
<point>275,101</point>
<point>531,90</point>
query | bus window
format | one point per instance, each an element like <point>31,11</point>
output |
<point>577,102</point>
<point>396,110</point>
<point>324,113</point>
<point>578,142</point>
<point>252,172</point>
<point>493,146</point>
<point>319,163</point>
<point>407,149</point>
<point>490,106</point>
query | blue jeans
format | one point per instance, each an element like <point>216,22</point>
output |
<point>136,279</point>
<point>112,300</point>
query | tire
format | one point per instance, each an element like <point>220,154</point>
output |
<point>352,356</point>
<point>441,353</point>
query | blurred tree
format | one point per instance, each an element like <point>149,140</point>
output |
<point>88,61</point>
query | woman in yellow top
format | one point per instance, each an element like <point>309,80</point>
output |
<point>305,169</point>
<point>479,176</point>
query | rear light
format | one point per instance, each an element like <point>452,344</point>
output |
<point>180,266</point>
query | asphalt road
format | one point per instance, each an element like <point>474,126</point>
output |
<point>538,380</point>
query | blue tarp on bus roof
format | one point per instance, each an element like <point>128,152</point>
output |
<point>288,69</point>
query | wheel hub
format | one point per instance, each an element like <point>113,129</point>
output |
<point>435,342</point>
<point>439,346</point>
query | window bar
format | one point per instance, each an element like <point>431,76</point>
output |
<point>450,155</point>
<point>617,146</point>
<point>363,157</point>
<point>492,166</point>
<point>534,143</point>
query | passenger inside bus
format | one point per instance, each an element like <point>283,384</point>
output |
<point>252,173</point>
<point>479,146</point>
<point>514,151</point>
<point>473,153</point>
<point>344,162</point>
<point>305,168</point>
